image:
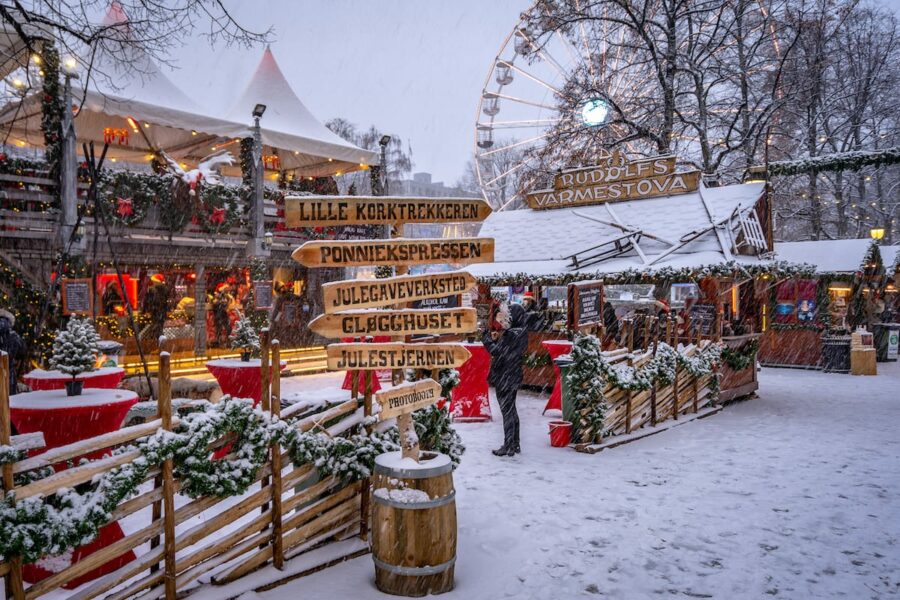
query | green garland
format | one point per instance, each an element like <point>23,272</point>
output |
<point>536,360</point>
<point>797,326</point>
<point>221,207</point>
<point>739,359</point>
<point>127,196</point>
<point>841,161</point>
<point>779,270</point>
<point>586,388</point>
<point>51,110</point>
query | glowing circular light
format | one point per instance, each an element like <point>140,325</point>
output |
<point>594,112</point>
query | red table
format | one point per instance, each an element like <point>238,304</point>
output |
<point>65,420</point>
<point>238,378</point>
<point>377,376</point>
<point>469,399</point>
<point>556,348</point>
<point>104,378</point>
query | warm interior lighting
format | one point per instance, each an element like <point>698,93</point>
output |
<point>876,233</point>
<point>133,124</point>
<point>839,289</point>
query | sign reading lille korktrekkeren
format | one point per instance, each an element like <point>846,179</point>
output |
<point>319,211</point>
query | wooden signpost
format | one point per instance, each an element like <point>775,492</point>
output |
<point>376,293</point>
<point>320,211</point>
<point>322,253</point>
<point>401,401</point>
<point>615,181</point>
<point>395,322</point>
<point>393,355</point>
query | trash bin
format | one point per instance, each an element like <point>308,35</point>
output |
<point>568,411</point>
<point>887,339</point>
<point>836,353</point>
<point>112,351</point>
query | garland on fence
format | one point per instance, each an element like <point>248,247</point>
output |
<point>127,196</point>
<point>797,326</point>
<point>840,161</point>
<point>739,359</point>
<point>51,110</point>
<point>36,527</point>
<point>221,207</point>
<point>590,373</point>
<point>536,360</point>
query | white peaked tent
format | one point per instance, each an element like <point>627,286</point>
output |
<point>288,125</point>
<point>147,112</point>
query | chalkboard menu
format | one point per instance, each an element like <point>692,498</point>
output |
<point>444,302</point>
<point>77,297</point>
<point>289,311</point>
<point>703,317</point>
<point>262,295</point>
<point>585,304</point>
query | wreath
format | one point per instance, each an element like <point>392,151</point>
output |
<point>739,359</point>
<point>221,208</point>
<point>127,196</point>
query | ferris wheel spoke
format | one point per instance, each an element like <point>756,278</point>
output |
<point>536,79</point>
<point>587,52</point>
<point>523,101</point>
<point>509,171</point>
<point>522,124</point>
<point>516,144</point>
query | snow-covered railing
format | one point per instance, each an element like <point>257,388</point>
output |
<point>288,487</point>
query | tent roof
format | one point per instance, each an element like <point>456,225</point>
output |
<point>540,242</point>
<point>287,122</point>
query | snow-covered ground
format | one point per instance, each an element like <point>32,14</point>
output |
<point>795,494</point>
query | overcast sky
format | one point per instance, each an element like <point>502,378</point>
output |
<point>411,67</point>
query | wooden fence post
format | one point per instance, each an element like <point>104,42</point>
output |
<point>669,331</point>
<point>646,340</point>
<point>265,396</point>
<point>366,483</point>
<point>653,404</point>
<point>675,394</point>
<point>630,335</point>
<point>277,541</point>
<point>628,411</point>
<point>14,586</point>
<point>164,408</point>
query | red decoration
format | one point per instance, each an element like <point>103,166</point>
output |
<point>125,207</point>
<point>3,156</point>
<point>217,216</point>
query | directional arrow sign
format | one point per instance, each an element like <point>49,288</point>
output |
<point>374,293</point>
<point>408,397</point>
<point>356,253</point>
<point>345,357</point>
<point>319,211</point>
<point>395,322</point>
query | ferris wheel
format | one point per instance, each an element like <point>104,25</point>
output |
<point>539,88</point>
<point>560,97</point>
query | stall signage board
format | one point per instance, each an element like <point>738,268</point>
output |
<point>703,317</point>
<point>374,357</point>
<point>407,398</point>
<point>322,253</point>
<point>443,302</point>
<point>585,304</point>
<point>262,295</point>
<point>375,293</point>
<point>616,181</point>
<point>77,297</point>
<point>319,211</point>
<point>395,322</point>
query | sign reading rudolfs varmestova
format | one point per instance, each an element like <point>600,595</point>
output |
<point>408,397</point>
<point>615,181</point>
<point>346,357</point>
<point>319,211</point>
<point>322,253</point>
<point>395,322</point>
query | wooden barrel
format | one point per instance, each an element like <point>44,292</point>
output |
<point>413,524</point>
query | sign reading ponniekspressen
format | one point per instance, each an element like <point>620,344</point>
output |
<point>323,253</point>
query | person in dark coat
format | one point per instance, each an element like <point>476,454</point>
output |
<point>610,324</point>
<point>507,346</point>
<point>156,307</point>
<point>12,344</point>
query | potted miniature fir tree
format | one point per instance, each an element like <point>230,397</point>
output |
<point>245,339</point>
<point>74,352</point>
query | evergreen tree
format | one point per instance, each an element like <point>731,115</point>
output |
<point>866,286</point>
<point>586,384</point>
<point>244,336</point>
<point>75,348</point>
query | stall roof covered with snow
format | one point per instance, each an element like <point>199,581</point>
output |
<point>828,256</point>
<point>706,226</point>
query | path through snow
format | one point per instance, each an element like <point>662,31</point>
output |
<point>795,494</point>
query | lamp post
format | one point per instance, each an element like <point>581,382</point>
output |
<point>258,246</point>
<point>876,233</point>
<point>68,162</point>
<point>383,142</point>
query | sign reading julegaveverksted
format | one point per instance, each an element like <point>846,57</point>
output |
<point>318,211</point>
<point>346,357</point>
<point>395,322</point>
<point>375,293</point>
<point>616,180</point>
<point>408,397</point>
<point>323,253</point>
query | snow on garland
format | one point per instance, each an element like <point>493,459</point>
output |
<point>127,196</point>
<point>36,526</point>
<point>590,373</point>
<point>221,207</point>
<point>840,161</point>
<point>739,359</point>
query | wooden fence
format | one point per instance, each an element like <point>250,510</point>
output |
<point>287,511</point>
